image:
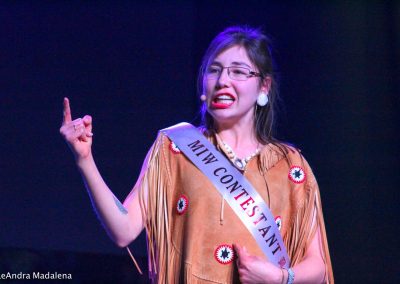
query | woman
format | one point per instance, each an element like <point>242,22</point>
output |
<point>192,236</point>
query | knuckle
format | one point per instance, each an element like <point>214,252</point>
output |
<point>63,132</point>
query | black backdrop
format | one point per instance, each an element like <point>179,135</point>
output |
<point>133,67</point>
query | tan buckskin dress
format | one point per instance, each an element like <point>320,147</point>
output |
<point>182,244</point>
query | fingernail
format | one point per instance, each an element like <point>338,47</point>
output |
<point>90,134</point>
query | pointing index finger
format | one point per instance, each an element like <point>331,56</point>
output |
<point>67,112</point>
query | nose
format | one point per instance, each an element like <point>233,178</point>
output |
<point>223,79</point>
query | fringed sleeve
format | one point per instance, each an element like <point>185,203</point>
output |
<point>154,182</point>
<point>307,219</point>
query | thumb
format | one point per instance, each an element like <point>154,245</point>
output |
<point>87,121</point>
<point>240,251</point>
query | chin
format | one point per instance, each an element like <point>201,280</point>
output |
<point>224,119</point>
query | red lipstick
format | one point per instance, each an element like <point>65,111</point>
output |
<point>222,101</point>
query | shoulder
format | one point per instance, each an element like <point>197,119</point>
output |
<point>287,152</point>
<point>278,152</point>
<point>291,159</point>
<point>168,138</point>
<point>165,144</point>
<point>180,130</point>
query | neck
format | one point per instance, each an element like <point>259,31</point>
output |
<point>239,136</point>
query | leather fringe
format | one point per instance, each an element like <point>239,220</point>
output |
<point>153,203</point>
<point>309,215</point>
<point>188,274</point>
<point>308,219</point>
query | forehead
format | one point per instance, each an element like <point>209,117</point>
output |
<point>235,54</point>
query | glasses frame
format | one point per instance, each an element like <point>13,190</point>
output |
<point>251,73</point>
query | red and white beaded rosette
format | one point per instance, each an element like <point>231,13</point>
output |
<point>297,174</point>
<point>224,254</point>
<point>182,204</point>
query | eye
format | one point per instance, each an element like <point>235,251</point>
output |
<point>212,70</point>
<point>239,71</point>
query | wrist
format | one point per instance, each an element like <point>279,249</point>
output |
<point>82,161</point>
<point>284,276</point>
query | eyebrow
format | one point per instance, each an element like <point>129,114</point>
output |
<point>236,63</point>
<point>241,63</point>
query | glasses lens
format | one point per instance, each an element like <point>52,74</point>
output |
<point>213,72</point>
<point>239,73</point>
<point>235,73</point>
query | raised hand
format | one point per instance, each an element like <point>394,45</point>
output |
<point>77,133</point>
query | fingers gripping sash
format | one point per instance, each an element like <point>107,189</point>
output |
<point>238,191</point>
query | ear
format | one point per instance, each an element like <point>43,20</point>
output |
<point>266,84</point>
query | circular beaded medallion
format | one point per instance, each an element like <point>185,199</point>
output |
<point>297,174</point>
<point>224,254</point>
<point>278,221</point>
<point>174,148</point>
<point>182,204</point>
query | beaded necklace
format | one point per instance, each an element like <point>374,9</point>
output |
<point>236,161</point>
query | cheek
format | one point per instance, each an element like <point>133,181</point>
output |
<point>250,91</point>
<point>208,87</point>
<point>255,88</point>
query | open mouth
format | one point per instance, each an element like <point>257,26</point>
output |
<point>222,101</point>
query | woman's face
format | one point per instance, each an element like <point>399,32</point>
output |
<point>228,100</point>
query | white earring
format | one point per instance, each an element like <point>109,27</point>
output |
<point>203,98</point>
<point>262,99</point>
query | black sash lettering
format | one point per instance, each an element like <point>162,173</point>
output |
<point>210,159</point>
<point>196,145</point>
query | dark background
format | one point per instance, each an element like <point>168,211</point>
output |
<point>133,67</point>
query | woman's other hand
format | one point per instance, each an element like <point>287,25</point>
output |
<point>77,133</point>
<point>254,269</point>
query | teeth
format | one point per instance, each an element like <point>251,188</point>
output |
<point>225,97</point>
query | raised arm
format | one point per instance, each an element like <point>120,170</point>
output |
<point>123,223</point>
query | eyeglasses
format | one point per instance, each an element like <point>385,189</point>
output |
<point>234,72</point>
